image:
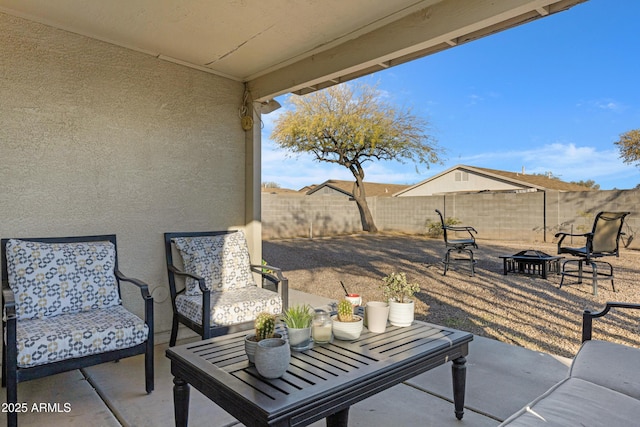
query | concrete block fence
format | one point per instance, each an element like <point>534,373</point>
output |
<point>534,216</point>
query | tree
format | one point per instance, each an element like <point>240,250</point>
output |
<point>351,124</point>
<point>629,146</point>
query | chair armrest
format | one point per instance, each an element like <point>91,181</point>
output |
<point>281,281</point>
<point>564,235</point>
<point>9,303</point>
<point>144,288</point>
<point>461,228</point>
<point>588,316</point>
<point>200,280</point>
<point>148,300</point>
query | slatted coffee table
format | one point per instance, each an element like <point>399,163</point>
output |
<point>322,382</point>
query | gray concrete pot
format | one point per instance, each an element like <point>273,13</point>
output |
<point>250,345</point>
<point>272,357</point>
<point>299,338</point>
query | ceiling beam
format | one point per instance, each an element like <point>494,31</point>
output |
<point>435,28</point>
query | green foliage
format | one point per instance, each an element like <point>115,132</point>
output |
<point>395,287</point>
<point>265,325</point>
<point>299,316</point>
<point>629,146</point>
<point>345,311</point>
<point>434,228</point>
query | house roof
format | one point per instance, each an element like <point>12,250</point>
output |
<point>536,182</point>
<point>371,188</point>
<point>279,46</point>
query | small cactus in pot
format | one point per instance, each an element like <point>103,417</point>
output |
<point>345,311</point>
<point>264,325</point>
<point>346,325</point>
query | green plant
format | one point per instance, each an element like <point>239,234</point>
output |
<point>345,311</point>
<point>395,287</point>
<point>298,316</point>
<point>434,228</point>
<point>265,325</point>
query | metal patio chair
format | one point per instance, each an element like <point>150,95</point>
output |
<point>459,245</point>
<point>602,241</point>
<point>63,310</point>
<point>211,283</point>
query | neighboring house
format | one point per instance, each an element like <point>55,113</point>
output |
<point>471,179</point>
<point>335,187</point>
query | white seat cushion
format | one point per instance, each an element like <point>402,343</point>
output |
<point>50,279</point>
<point>231,306</point>
<point>610,365</point>
<point>222,261</point>
<point>575,402</point>
<point>69,336</point>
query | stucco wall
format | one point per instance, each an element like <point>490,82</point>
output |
<point>98,139</point>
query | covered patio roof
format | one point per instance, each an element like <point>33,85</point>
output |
<point>278,46</point>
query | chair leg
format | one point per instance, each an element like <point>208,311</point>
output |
<point>447,260</point>
<point>472,261</point>
<point>148,366</point>
<point>594,271</point>
<point>174,331</point>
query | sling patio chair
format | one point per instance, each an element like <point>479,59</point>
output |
<point>461,245</point>
<point>213,291</point>
<point>602,241</point>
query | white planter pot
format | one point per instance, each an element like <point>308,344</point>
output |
<point>401,313</point>
<point>376,314</point>
<point>347,330</point>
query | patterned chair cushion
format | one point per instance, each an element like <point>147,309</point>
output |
<point>49,279</point>
<point>70,336</point>
<point>222,260</point>
<point>228,308</point>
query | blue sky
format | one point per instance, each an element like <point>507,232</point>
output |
<point>550,96</point>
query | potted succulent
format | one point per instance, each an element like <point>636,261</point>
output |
<point>265,326</point>
<point>399,293</point>
<point>346,325</point>
<point>297,320</point>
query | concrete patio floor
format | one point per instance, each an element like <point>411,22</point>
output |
<point>501,378</point>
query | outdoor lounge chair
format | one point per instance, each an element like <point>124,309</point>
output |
<point>218,294</point>
<point>459,245</point>
<point>63,310</point>
<point>602,241</point>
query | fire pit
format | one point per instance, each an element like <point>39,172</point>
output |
<point>531,262</point>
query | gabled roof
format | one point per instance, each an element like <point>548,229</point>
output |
<point>538,181</point>
<point>371,188</point>
<point>533,182</point>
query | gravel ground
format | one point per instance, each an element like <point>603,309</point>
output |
<point>517,309</point>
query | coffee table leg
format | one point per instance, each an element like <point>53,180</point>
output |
<point>339,419</point>
<point>459,374</point>
<point>181,402</point>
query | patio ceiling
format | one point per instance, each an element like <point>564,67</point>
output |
<point>280,46</point>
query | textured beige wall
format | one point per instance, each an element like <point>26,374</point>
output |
<point>96,139</point>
